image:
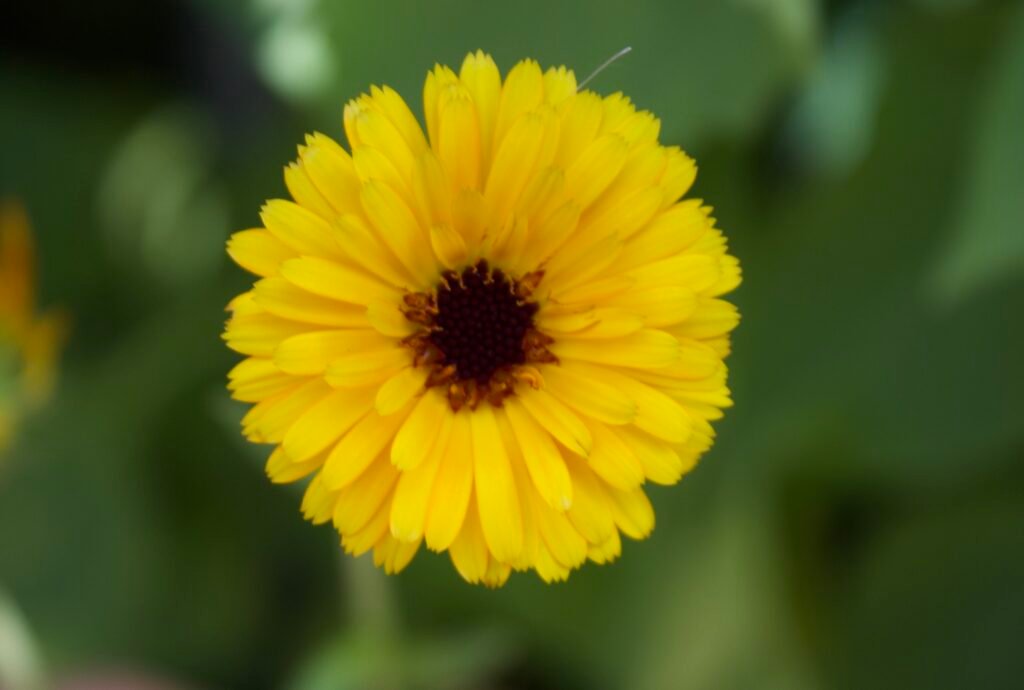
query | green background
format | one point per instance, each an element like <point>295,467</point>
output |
<point>859,523</point>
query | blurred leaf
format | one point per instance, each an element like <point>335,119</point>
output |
<point>836,329</point>
<point>706,69</point>
<point>722,620</point>
<point>363,660</point>
<point>20,665</point>
<point>946,5</point>
<point>988,243</point>
<point>163,211</point>
<point>939,603</point>
<point>833,120</point>
<point>295,55</point>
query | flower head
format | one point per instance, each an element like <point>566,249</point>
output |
<point>28,343</point>
<point>487,337</point>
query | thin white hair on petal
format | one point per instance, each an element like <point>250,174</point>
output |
<point>604,65</point>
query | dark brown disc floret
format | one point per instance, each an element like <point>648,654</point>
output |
<point>479,336</point>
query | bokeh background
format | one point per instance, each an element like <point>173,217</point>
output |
<point>860,522</point>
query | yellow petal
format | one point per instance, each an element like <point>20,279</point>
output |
<point>632,512</point>
<point>660,462</point>
<point>365,249</point>
<point>522,92</point>
<point>317,501</point>
<point>394,107</point>
<point>302,230</point>
<point>305,193</point>
<point>641,173</point>
<point>480,76</point>
<point>711,318</point>
<point>613,458</point>
<point>549,569</point>
<point>325,422</point>
<point>469,550</point>
<point>387,319</point>
<point>458,143</point>
<point>369,536</point>
<point>595,168</point>
<point>697,361</point>
<point>558,420</point>
<point>363,498</point>
<point>565,544</point>
<point>429,421</point>
<point>358,448</point>
<point>469,217</point>
<point>527,148</point>
<point>595,291</point>
<point>270,420</point>
<point>618,109</point>
<point>281,470</point>
<point>660,307</point>
<point>580,125</point>
<point>400,230</point>
<point>258,334</point>
<point>543,194</point>
<point>495,487</point>
<point>449,246</point>
<point>551,233</point>
<point>590,513</point>
<point>432,190</point>
<point>393,555</point>
<point>353,109</point>
<point>656,413</point>
<point>255,378</point>
<point>366,367</point>
<point>437,79</point>
<point>526,492</point>
<point>258,251</point>
<point>592,323</point>
<point>645,349</point>
<point>680,172</point>
<point>398,391</point>
<point>311,353</point>
<point>559,84</point>
<point>497,574</point>
<point>696,272</point>
<point>626,217</point>
<point>451,488</point>
<point>283,298</point>
<point>639,128</point>
<point>606,552</point>
<point>411,500</point>
<point>668,234</point>
<point>586,393</point>
<point>330,168</point>
<point>542,457</point>
<point>373,164</point>
<point>729,279</point>
<point>17,263</point>
<point>332,279</point>
<point>580,263</point>
<point>376,131</point>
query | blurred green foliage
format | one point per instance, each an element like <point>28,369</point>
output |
<point>860,522</point>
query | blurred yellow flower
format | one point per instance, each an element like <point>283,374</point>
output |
<point>28,343</point>
<point>488,337</point>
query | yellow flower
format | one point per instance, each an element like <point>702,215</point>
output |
<point>28,343</point>
<point>488,337</point>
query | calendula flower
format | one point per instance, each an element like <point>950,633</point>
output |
<point>28,343</point>
<point>487,337</point>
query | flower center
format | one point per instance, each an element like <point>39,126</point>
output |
<point>479,336</point>
<point>480,323</point>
